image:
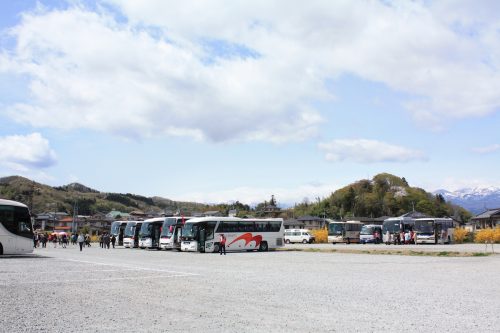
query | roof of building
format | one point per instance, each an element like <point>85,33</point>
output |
<point>488,214</point>
<point>310,218</point>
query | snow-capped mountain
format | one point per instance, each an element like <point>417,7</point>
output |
<point>476,200</point>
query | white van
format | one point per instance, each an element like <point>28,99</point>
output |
<point>298,236</point>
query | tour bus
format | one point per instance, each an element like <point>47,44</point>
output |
<point>298,236</point>
<point>170,237</point>
<point>370,233</point>
<point>434,230</point>
<point>202,234</point>
<point>393,226</point>
<point>131,234</point>
<point>149,234</point>
<point>16,232</point>
<point>117,229</point>
<point>343,232</point>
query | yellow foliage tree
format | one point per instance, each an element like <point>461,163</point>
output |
<point>460,235</point>
<point>487,236</point>
<point>320,235</point>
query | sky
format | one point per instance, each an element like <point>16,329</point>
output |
<point>219,101</point>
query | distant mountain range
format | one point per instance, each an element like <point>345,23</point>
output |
<point>476,200</point>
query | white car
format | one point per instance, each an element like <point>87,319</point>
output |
<point>298,236</point>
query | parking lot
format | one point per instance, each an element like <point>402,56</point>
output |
<point>65,290</point>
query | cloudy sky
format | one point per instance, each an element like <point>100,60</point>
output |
<point>236,100</point>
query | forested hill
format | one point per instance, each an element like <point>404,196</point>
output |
<point>383,195</point>
<point>45,198</point>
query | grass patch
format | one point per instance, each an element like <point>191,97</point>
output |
<point>392,252</point>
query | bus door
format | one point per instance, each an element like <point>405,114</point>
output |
<point>201,239</point>
<point>120,234</point>
<point>437,232</point>
<point>176,242</point>
<point>155,236</point>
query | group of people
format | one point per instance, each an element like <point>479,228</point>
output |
<point>106,239</point>
<point>403,237</point>
<point>41,240</point>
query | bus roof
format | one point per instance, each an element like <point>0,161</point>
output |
<point>344,222</point>
<point>226,218</point>
<point>5,202</point>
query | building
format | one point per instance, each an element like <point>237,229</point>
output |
<point>293,224</point>
<point>487,219</point>
<point>312,222</point>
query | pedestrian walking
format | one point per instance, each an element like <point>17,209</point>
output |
<point>222,244</point>
<point>54,240</point>
<point>64,240</point>
<point>80,240</point>
<point>113,240</point>
<point>107,240</point>
<point>101,241</point>
<point>35,240</point>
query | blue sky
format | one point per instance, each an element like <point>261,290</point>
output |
<point>227,100</point>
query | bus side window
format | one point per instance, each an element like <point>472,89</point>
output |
<point>220,228</point>
<point>261,226</point>
<point>274,226</point>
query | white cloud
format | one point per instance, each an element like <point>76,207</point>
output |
<point>487,150</point>
<point>368,151</point>
<point>153,74</point>
<point>21,153</point>
<point>285,197</point>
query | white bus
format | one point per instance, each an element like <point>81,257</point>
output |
<point>118,229</point>
<point>170,237</point>
<point>149,235</point>
<point>371,233</point>
<point>131,234</point>
<point>344,232</point>
<point>434,230</point>
<point>202,234</point>
<point>394,226</point>
<point>16,232</point>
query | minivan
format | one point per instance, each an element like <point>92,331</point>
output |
<point>298,236</point>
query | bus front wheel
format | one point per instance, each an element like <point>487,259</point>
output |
<point>263,247</point>
<point>216,247</point>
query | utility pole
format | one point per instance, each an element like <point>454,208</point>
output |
<point>74,227</point>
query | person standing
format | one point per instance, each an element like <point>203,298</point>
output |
<point>113,240</point>
<point>80,240</point>
<point>222,244</point>
<point>101,241</point>
<point>64,240</point>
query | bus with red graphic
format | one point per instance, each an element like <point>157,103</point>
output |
<point>202,234</point>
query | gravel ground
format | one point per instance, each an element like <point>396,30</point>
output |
<point>65,290</point>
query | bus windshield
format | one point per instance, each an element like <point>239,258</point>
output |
<point>365,230</point>
<point>115,228</point>
<point>129,230</point>
<point>167,227</point>
<point>391,226</point>
<point>335,229</point>
<point>16,220</point>
<point>146,230</point>
<point>424,227</point>
<point>189,230</point>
